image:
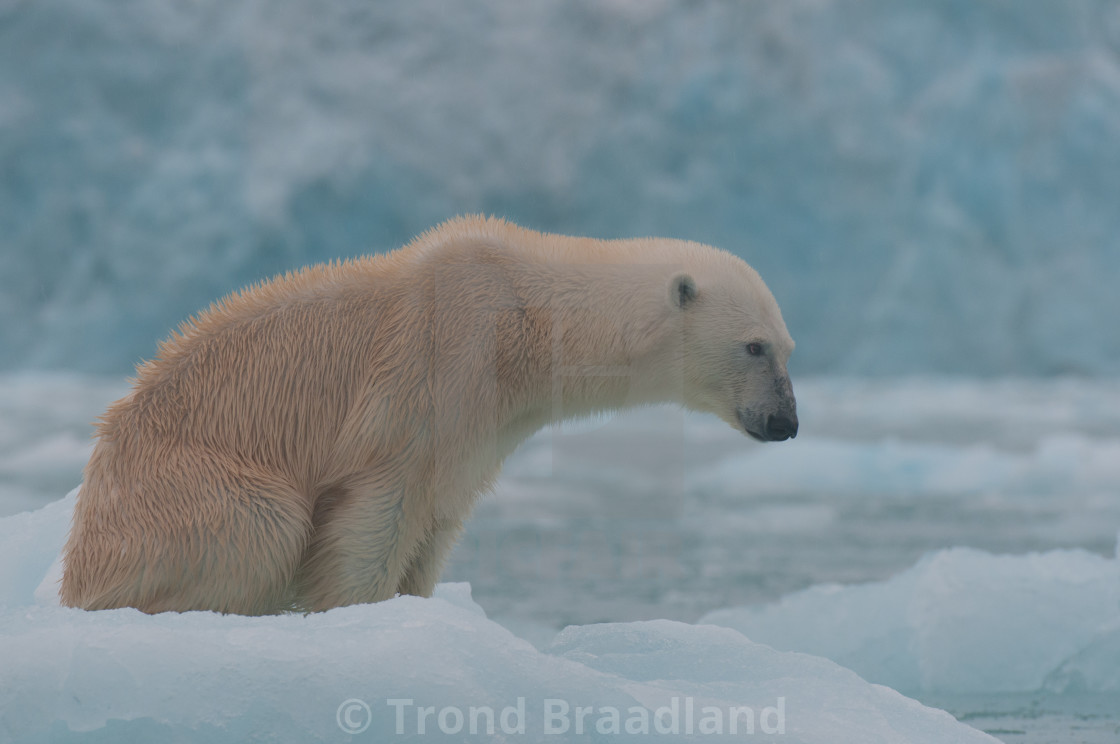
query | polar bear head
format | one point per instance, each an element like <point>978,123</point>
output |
<point>734,348</point>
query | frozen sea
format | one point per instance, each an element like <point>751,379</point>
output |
<point>952,539</point>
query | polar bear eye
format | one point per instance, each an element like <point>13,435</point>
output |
<point>754,348</point>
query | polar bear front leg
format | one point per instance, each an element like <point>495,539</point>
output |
<point>424,570</point>
<point>362,543</point>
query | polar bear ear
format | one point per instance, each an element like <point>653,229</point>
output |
<point>682,290</point>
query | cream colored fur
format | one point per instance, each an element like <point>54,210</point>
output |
<point>316,440</point>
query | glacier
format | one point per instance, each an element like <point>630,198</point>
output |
<point>945,172</point>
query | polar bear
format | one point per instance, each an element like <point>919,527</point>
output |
<point>317,440</point>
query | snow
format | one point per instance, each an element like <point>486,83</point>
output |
<point>945,171</point>
<point>960,621</point>
<point>1095,668</point>
<point>823,555</point>
<point>70,674</point>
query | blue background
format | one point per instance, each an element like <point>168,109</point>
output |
<point>928,187</point>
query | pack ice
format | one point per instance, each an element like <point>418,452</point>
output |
<point>407,668</point>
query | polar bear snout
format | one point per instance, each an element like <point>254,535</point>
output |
<point>773,427</point>
<point>779,428</point>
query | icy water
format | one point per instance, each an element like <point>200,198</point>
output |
<point>659,514</point>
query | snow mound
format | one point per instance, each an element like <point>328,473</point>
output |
<point>1096,668</point>
<point>375,670</point>
<point>29,545</point>
<point>960,621</point>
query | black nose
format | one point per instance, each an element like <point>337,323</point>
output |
<point>781,428</point>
